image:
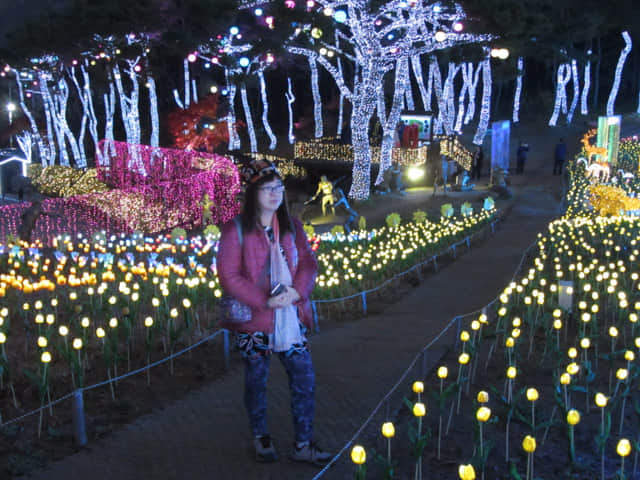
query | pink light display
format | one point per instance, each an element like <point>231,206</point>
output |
<point>157,189</point>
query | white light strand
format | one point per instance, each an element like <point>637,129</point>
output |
<point>584,105</point>
<point>25,142</point>
<point>83,94</point>
<point>564,75</point>
<point>34,127</point>
<point>618,75</point>
<point>363,106</point>
<point>187,99</point>
<point>290,100</point>
<point>435,84</point>
<point>467,82</point>
<point>485,109</point>
<point>51,146</point>
<point>340,105</point>
<point>194,91</point>
<point>62,100</point>
<point>53,121</point>
<point>576,90</point>
<point>265,111</point>
<point>390,124</point>
<point>176,97</point>
<point>130,113</point>
<point>516,98</point>
<point>110,109</point>
<point>234,138</point>
<point>153,111</point>
<point>447,103</point>
<point>471,110</point>
<point>416,66</point>
<point>317,100</point>
<point>253,143</point>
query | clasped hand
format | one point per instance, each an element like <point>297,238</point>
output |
<point>286,298</point>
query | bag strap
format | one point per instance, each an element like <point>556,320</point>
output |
<point>238,223</point>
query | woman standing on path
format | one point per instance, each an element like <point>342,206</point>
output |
<point>264,246</point>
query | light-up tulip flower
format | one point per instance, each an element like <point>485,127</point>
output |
<point>463,359</point>
<point>467,472</point>
<point>443,372</point>
<point>358,455</point>
<point>532,396</point>
<point>573,418</point>
<point>418,387</point>
<point>42,342</point>
<point>623,449</point>
<point>573,368</point>
<point>419,409</point>
<point>483,397</point>
<point>388,430</point>
<point>77,343</point>
<point>45,357</point>
<point>529,446</point>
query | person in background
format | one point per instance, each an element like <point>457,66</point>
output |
<point>559,156</point>
<point>478,159</point>
<point>272,249</point>
<point>521,157</point>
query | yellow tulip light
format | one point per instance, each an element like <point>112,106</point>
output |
<point>42,342</point>
<point>613,332</point>
<point>45,357</point>
<point>419,409</point>
<point>573,417</point>
<point>629,356</point>
<point>585,343</point>
<point>483,414</point>
<point>3,338</point>
<point>573,368</point>
<point>463,358</point>
<point>84,323</point>
<point>100,333</point>
<point>483,397</point>
<point>512,372</point>
<point>358,455</point>
<point>573,352</point>
<point>388,430</point>
<point>148,322</point>
<point>624,447</point>
<point>622,374</point>
<point>467,472</point>
<point>529,446</point>
<point>601,400</point>
<point>63,330</point>
<point>509,342</point>
<point>532,394</point>
<point>77,343</point>
<point>565,379</point>
<point>418,387</point>
<point>443,372</point>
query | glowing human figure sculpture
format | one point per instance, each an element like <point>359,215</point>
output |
<point>325,187</point>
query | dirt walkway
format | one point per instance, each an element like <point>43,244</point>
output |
<point>205,435</point>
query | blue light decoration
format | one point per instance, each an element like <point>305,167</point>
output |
<point>563,77</point>
<point>234,30</point>
<point>516,98</point>
<point>244,62</point>
<point>584,107</point>
<point>258,12</point>
<point>618,75</point>
<point>416,67</point>
<point>340,16</point>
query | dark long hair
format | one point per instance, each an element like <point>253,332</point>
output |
<point>249,214</point>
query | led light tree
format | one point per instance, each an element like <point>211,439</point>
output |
<point>241,60</point>
<point>379,39</point>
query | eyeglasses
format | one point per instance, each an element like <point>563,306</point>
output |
<point>274,189</point>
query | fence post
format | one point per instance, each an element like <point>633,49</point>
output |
<point>77,413</point>
<point>364,303</point>
<point>314,310</point>
<point>225,348</point>
<point>435,263</point>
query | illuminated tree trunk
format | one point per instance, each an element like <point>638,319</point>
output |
<point>247,115</point>
<point>364,105</point>
<point>42,149</point>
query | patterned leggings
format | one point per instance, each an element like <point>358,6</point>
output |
<point>301,384</point>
